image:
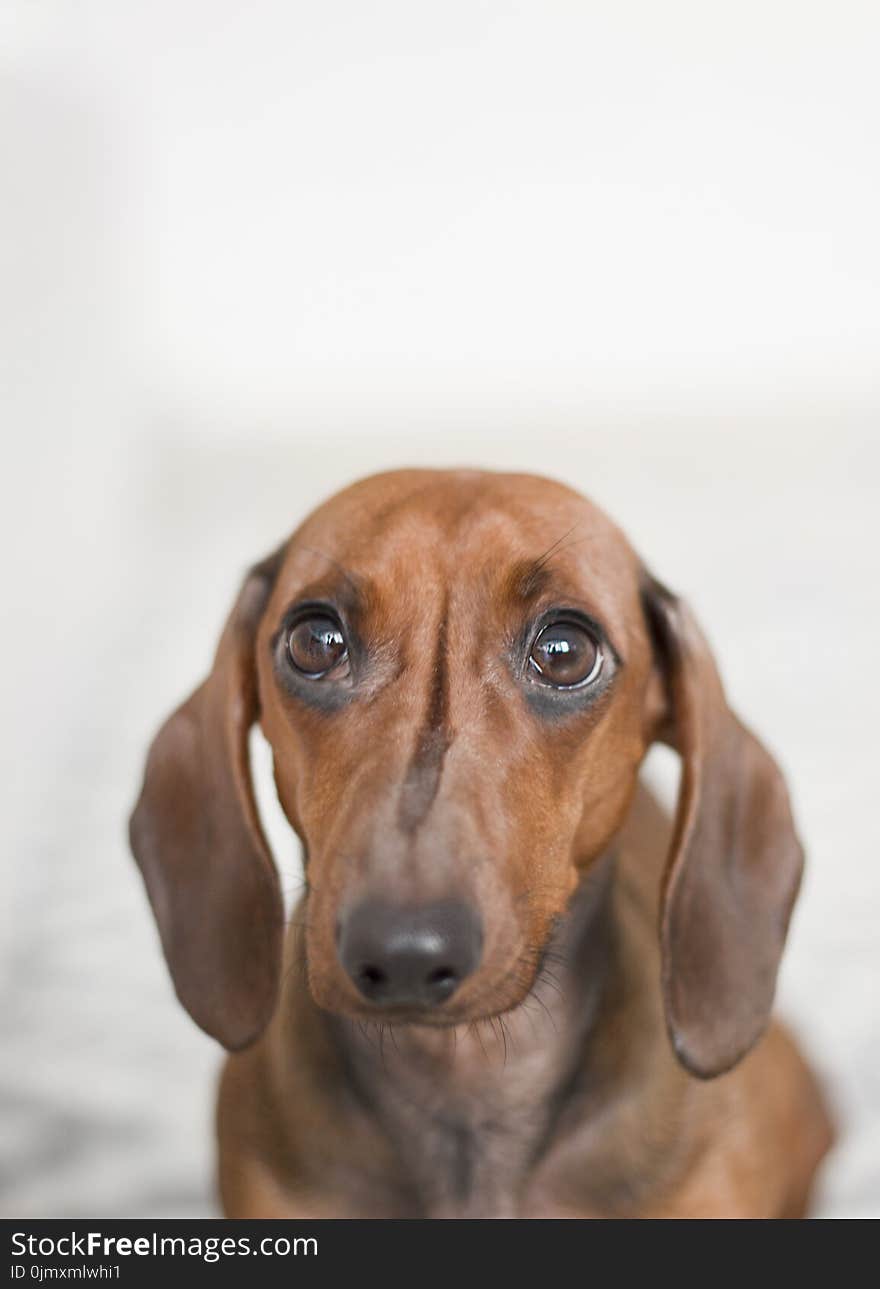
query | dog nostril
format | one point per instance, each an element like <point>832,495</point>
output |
<point>441,983</point>
<point>372,975</point>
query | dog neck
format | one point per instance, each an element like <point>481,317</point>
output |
<point>470,1110</point>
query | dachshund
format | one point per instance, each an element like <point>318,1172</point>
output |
<point>513,987</point>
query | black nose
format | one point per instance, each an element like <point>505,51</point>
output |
<point>417,956</point>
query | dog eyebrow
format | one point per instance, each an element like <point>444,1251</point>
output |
<point>354,580</point>
<point>528,579</point>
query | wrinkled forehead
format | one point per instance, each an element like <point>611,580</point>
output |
<point>411,535</point>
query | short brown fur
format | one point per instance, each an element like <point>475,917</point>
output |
<point>612,1055</point>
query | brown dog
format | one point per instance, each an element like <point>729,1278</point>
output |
<point>472,1012</point>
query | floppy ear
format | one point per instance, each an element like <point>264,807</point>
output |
<point>735,862</point>
<point>197,838</point>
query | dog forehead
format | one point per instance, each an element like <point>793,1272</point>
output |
<point>400,512</point>
<point>409,536</point>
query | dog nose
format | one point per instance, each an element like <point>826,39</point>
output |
<point>417,956</point>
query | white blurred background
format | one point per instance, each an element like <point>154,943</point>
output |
<point>250,251</point>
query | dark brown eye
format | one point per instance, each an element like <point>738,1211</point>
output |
<point>316,647</point>
<point>565,654</point>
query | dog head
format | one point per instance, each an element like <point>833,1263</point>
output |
<point>459,675</point>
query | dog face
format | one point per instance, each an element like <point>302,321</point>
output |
<point>456,709</point>
<point>459,675</point>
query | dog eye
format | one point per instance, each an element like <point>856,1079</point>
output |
<point>316,647</point>
<point>566,655</point>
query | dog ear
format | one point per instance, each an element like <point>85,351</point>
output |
<point>198,841</point>
<point>735,861</point>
